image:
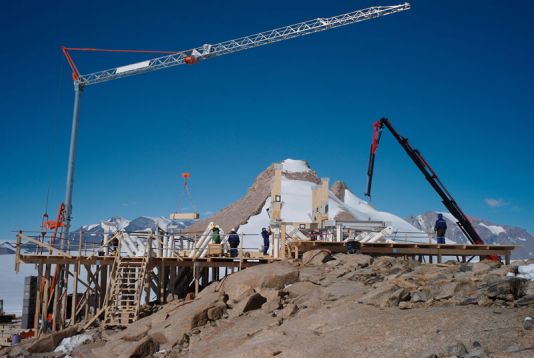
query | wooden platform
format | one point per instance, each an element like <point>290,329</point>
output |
<point>221,261</point>
<point>94,283</point>
<point>410,250</point>
<point>114,287</point>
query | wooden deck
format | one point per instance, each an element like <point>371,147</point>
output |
<point>221,261</point>
<point>410,250</point>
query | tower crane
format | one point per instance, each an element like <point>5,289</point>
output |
<point>192,56</point>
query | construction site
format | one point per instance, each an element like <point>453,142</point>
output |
<point>295,250</point>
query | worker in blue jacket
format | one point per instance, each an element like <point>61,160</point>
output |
<point>233,241</point>
<point>265,235</point>
<point>440,228</point>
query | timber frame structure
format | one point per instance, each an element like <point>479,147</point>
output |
<point>112,286</point>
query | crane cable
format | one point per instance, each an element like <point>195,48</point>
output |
<point>187,192</point>
<point>52,151</point>
<point>74,68</point>
<point>54,127</point>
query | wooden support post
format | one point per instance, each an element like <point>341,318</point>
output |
<point>88,293</point>
<point>241,252</point>
<point>39,294</point>
<point>17,253</point>
<point>507,258</point>
<point>148,280</point>
<point>161,276</point>
<point>196,275</point>
<point>172,281</point>
<point>283,241</point>
<point>103,284</point>
<point>44,307</point>
<point>149,268</point>
<point>56,292</point>
<point>65,297</point>
<point>74,300</point>
<point>205,277</point>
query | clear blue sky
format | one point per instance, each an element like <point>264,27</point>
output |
<point>455,77</point>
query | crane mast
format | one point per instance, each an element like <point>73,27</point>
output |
<point>195,55</point>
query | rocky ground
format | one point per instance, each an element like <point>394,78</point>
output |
<point>341,305</point>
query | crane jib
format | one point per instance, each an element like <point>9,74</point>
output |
<point>208,50</point>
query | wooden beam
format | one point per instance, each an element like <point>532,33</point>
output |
<point>74,294</point>
<point>45,245</point>
<point>39,294</point>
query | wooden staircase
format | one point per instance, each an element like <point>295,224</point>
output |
<point>124,297</point>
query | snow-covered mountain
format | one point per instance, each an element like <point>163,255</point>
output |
<point>490,232</point>
<point>7,248</point>
<point>250,213</point>
<point>95,232</point>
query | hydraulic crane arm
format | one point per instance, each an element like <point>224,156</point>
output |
<point>430,175</point>
<point>207,51</point>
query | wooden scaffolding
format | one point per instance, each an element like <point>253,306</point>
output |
<point>89,282</point>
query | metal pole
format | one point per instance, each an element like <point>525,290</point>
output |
<point>72,156</point>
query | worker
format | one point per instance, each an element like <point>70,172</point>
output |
<point>48,322</point>
<point>216,235</point>
<point>440,228</point>
<point>233,241</point>
<point>265,235</point>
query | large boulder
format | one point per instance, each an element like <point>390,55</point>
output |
<point>274,276</point>
<point>49,342</point>
<point>300,289</point>
<point>465,289</point>
<point>144,348</point>
<point>316,257</point>
<point>421,296</point>
<point>386,295</point>
<point>165,328</point>
<point>480,268</point>
<point>354,261</point>
<point>237,291</point>
<point>506,288</point>
<point>254,302</point>
<point>289,310</point>
<point>525,301</point>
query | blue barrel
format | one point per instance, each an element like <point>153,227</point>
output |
<point>15,339</point>
<point>352,247</point>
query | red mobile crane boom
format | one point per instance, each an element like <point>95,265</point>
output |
<point>429,173</point>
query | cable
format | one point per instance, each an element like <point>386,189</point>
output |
<point>113,50</point>
<point>54,127</point>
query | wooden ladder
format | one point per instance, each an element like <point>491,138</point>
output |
<point>124,297</point>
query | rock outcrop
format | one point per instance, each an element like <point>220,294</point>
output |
<point>339,305</point>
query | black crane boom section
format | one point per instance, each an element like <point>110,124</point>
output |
<point>429,173</point>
